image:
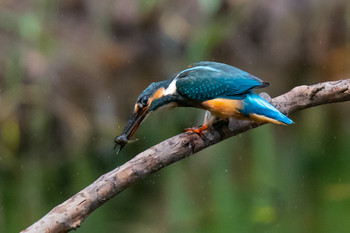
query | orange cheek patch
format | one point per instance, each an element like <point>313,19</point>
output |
<point>156,95</point>
<point>223,108</point>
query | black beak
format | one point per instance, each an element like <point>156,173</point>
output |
<point>130,128</point>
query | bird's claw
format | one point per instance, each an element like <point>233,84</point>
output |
<point>198,130</point>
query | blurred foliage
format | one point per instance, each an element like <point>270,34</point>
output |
<point>71,70</point>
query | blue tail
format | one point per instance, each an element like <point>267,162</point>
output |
<point>254,104</point>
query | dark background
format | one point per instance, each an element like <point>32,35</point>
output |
<point>71,70</point>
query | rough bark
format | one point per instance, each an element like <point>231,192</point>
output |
<point>71,213</point>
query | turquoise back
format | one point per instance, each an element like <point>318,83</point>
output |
<point>210,80</point>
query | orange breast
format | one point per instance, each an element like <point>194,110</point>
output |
<point>223,108</point>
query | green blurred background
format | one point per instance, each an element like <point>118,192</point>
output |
<point>71,70</point>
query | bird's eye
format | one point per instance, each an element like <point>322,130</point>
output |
<point>144,101</point>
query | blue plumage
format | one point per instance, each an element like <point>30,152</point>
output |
<point>205,81</point>
<point>254,104</point>
<point>208,80</point>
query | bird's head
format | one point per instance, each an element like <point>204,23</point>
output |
<point>153,97</point>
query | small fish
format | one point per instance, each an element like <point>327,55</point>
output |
<point>121,141</point>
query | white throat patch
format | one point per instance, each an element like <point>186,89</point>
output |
<point>171,88</point>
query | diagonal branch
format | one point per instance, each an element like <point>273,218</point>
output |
<point>71,213</point>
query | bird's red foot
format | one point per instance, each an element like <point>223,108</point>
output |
<point>197,130</point>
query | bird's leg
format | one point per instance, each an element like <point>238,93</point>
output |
<point>197,130</point>
<point>208,122</point>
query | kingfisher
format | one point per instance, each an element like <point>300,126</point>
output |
<point>224,91</point>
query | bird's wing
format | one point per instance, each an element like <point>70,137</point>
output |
<point>205,82</point>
